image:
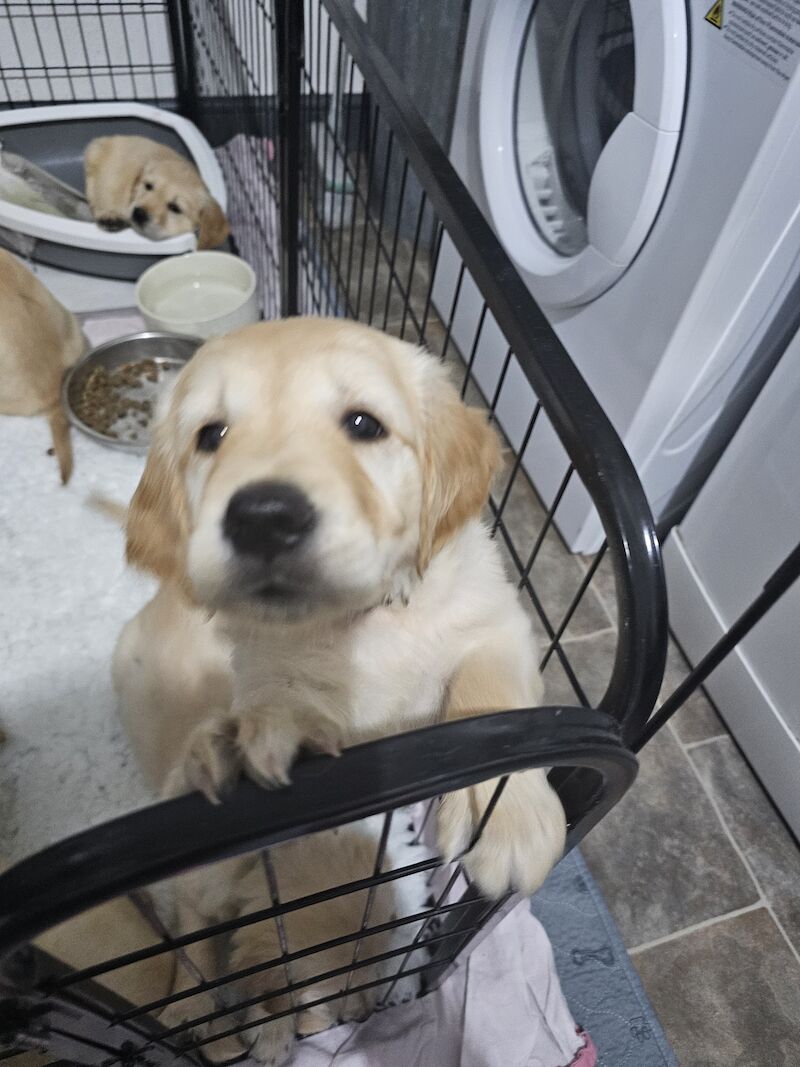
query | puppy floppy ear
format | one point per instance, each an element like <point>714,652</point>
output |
<point>461,455</point>
<point>213,227</point>
<point>157,523</point>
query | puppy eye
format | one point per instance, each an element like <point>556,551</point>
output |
<point>362,426</point>
<point>148,186</point>
<point>209,437</point>
<point>173,207</point>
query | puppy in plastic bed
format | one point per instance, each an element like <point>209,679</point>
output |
<point>311,503</point>
<point>39,340</point>
<point>133,181</point>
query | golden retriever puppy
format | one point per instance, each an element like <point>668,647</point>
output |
<point>39,340</point>
<point>311,503</point>
<point>316,486</point>
<point>133,181</point>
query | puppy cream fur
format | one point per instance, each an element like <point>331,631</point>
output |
<point>394,614</point>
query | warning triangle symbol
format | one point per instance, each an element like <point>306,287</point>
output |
<point>716,14</point>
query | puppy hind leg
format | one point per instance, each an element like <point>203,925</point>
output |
<point>196,963</point>
<point>271,1042</point>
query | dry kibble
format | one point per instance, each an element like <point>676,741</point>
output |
<point>104,401</point>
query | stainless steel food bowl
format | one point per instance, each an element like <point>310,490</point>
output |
<point>168,351</point>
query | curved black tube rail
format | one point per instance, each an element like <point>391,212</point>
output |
<point>166,839</point>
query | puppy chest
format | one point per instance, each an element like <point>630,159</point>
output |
<point>398,683</point>
<point>372,682</point>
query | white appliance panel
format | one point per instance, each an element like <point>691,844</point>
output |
<point>629,340</point>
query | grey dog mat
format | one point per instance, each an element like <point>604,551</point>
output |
<point>599,982</point>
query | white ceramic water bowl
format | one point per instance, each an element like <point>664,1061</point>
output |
<point>204,294</point>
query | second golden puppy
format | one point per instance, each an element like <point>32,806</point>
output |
<point>39,340</point>
<point>133,181</point>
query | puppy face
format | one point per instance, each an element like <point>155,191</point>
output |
<point>307,466</point>
<point>169,199</point>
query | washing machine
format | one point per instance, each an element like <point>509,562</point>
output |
<point>608,142</point>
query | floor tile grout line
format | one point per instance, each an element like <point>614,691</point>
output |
<point>736,846</point>
<point>717,811</point>
<point>704,924</point>
<point>792,948</point>
<point>585,567</point>
<point>577,638</point>
<point>690,746</point>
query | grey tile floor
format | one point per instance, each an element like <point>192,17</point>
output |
<point>699,871</point>
<point>697,868</point>
<point>703,879</point>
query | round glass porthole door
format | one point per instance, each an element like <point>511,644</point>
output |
<point>581,104</point>
<point>575,81</point>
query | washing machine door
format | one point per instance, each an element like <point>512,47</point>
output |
<point>580,112</point>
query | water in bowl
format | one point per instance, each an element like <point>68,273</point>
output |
<point>194,300</point>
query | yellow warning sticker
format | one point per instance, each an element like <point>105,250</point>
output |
<point>716,14</point>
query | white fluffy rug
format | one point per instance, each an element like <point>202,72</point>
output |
<point>66,592</point>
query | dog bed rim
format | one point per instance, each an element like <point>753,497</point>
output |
<point>86,234</point>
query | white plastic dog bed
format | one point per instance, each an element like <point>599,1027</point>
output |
<point>54,138</point>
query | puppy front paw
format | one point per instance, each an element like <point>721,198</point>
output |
<point>520,844</point>
<point>112,223</point>
<point>261,744</point>
<point>211,761</point>
<point>269,743</point>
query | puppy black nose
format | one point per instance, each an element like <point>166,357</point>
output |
<point>140,216</point>
<point>266,518</point>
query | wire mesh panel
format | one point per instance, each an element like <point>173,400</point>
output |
<point>296,931</point>
<point>232,66</point>
<point>374,247</point>
<point>345,206</point>
<point>66,51</point>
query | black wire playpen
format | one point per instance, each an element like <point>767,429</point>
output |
<point>345,204</point>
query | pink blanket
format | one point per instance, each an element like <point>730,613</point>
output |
<point>503,1007</point>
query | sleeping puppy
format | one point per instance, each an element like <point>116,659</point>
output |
<point>39,340</point>
<point>133,181</point>
<point>311,503</point>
